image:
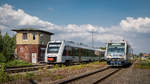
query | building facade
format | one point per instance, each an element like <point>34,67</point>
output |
<point>31,44</point>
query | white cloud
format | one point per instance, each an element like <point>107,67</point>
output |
<point>138,25</point>
<point>108,37</point>
<point>18,18</point>
<point>83,32</point>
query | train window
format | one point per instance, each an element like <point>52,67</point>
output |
<point>64,52</point>
<point>70,51</point>
<point>73,51</point>
<point>53,47</point>
<point>76,51</point>
<point>67,51</point>
<point>84,52</point>
<point>54,44</point>
<point>53,50</point>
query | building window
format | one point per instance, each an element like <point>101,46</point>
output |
<point>24,36</point>
<point>41,39</point>
<point>34,36</point>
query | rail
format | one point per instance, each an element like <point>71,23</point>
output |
<point>78,77</point>
<point>25,68</point>
<point>84,77</point>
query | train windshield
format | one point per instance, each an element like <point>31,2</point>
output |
<point>53,47</point>
<point>116,48</point>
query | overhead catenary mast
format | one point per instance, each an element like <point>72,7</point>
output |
<point>92,38</point>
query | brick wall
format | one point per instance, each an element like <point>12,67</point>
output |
<point>24,51</point>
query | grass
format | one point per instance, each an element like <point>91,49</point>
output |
<point>29,75</point>
<point>58,72</point>
<point>17,63</point>
<point>58,77</point>
<point>4,77</point>
<point>81,66</point>
<point>144,64</point>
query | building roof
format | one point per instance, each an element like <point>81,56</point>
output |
<point>32,29</point>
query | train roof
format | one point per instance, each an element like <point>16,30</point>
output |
<point>122,41</point>
<point>74,44</point>
<point>33,29</point>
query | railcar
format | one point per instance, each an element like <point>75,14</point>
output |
<point>118,53</point>
<point>69,52</point>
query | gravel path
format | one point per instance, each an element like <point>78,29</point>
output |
<point>68,73</point>
<point>129,76</point>
<point>92,78</point>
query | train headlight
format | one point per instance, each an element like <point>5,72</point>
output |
<point>109,55</point>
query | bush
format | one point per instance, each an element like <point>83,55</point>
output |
<point>4,77</point>
<point>16,76</point>
<point>2,58</point>
<point>17,63</point>
<point>145,64</point>
<point>56,66</point>
<point>29,75</point>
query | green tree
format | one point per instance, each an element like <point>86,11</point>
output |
<point>2,58</point>
<point>1,42</point>
<point>103,48</point>
<point>8,47</point>
<point>141,54</point>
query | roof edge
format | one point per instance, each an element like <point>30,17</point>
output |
<point>32,29</point>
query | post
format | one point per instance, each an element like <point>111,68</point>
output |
<point>99,56</point>
<point>92,39</point>
<point>79,55</point>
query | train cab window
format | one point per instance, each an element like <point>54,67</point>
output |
<point>53,50</point>
<point>53,47</point>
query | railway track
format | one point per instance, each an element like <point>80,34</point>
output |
<point>94,77</point>
<point>26,68</point>
<point>17,69</point>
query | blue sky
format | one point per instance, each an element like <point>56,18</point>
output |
<point>110,19</point>
<point>97,12</point>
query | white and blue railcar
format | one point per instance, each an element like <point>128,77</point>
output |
<point>68,51</point>
<point>118,53</point>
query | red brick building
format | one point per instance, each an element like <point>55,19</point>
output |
<point>31,44</point>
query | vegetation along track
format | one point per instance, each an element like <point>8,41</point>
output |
<point>26,68</point>
<point>93,77</point>
<point>17,69</point>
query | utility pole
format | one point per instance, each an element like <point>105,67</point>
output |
<point>92,39</point>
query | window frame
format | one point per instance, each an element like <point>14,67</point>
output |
<point>25,37</point>
<point>34,36</point>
